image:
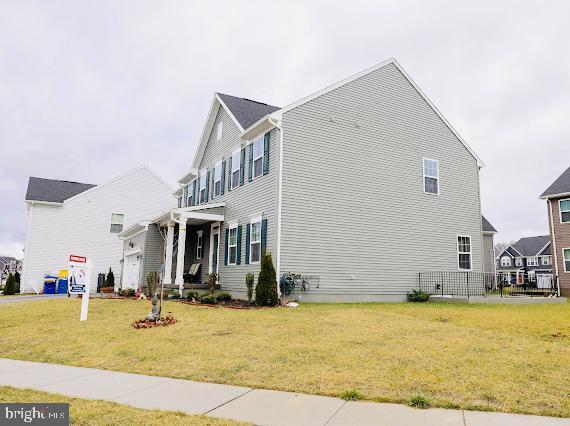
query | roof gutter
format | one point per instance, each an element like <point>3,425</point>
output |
<point>43,203</point>
<point>547,197</point>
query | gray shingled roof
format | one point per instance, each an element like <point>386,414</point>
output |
<point>530,246</point>
<point>54,191</point>
<point>247,111</point>
<point>486,225</point>
<point>560,185</point>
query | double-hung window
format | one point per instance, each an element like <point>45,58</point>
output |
<point>117,222</point>
<point>566,259</point>
<point>464,252</point>
<point>203,188</point>
<point>255,240</point>
<point>190,196</point>
<point>519,261</point>
<point>236,165</point>
<point>232,245</point>
<point>505,261</point>
<point>258,157</point>
<point>532,261</point>
<point>199,244</point>
<point>545,260</point>
<point>565,211</point>
<point>218,179</point>
<point>431,176</point>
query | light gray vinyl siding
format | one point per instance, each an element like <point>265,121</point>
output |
<point>253,199</point>
<point>354,210</point>
<point>153,255</point>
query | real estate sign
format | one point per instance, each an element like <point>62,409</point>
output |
<point>79,278</point>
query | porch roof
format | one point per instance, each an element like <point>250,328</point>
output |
<point>195,215</point>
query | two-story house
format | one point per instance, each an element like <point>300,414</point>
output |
<point>359,186</point>
<point>528,257</point>
<point>557,197</point>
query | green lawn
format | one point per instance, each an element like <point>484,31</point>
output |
<point>86,412</point>
<point>485,357</point>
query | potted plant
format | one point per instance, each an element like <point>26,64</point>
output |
<point>109,286</point>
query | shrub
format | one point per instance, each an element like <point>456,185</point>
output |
<point>419,401</point>
<point>110,279</point>
<point>152,283</point>
<point>212,280</point>
<point>352,395</point>
<point>266,288</point>
<point>192,295</point>
<point>10,286</point>
<point>223,296</point>
<point>129,292</point>
<point>418,296</point>
<point>175,294</point>
<point>249,284</point>
<point>208,299</point>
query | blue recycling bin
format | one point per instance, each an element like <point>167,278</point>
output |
<point>49,284</point>
<point>62,286</point>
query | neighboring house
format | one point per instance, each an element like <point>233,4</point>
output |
<point>489,231</point>
<point>359,186</point>
<point>9,265</point>
<point>66,218</point>
<point>528,256</point>
<point>558,202</point>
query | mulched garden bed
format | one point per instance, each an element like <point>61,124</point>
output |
<point>162,322</point>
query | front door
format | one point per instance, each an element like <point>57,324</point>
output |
<point>214,247</point>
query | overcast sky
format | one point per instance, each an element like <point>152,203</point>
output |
<point>91,89</point>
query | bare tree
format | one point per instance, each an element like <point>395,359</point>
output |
<point>501,246</point>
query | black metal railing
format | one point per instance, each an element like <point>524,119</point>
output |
<point>480,284</point>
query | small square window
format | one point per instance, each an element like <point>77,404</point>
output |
<point>117,222</point>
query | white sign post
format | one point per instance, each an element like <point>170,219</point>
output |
<point>79,281</point>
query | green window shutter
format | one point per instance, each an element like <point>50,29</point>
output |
<point>207,185</point>
<point>266,153</point>
<point>229,174</point>
<point>238,251</point>
<point>223,182</point>
<point>212,184</point>
<point>247,231</point>
<point>242,165</point>
<point>250,167</point>
<point>263,235</point>
<point>226,249</point>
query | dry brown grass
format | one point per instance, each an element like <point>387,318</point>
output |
<point>503,358</point>
<point>86,412</point>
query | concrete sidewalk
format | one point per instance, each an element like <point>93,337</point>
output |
<point>14,299</point>
<point>262,407</point>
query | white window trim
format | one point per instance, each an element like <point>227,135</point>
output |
<point>470,252</point>
<point>219,163</point>
<point>220,131</point>
<point>424,176</point>
<point>251,242</point>
<point>230,227</point>
<point>200,189</point>
<point>545,260</point>
<point>564,260</point>
<point>560,209</point>
<point>189,193</point>
<point>534,261</point>
<point>238,170</point>
<point>200,244</point>
<point>262,139</point>
<point>111,222</point>
<point>509,259</point>
<point>518,261</point>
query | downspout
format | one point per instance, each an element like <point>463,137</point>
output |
<point>554,250</point>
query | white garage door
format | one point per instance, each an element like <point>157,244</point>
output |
<point>131,271</point>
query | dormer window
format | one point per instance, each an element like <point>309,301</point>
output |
<point>220,132</point>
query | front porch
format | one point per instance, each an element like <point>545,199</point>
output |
<point>192,246</point>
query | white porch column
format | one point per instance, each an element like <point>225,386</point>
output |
<point>169,250</point>
<point>179,281</point>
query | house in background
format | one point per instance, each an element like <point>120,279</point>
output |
<point>66,218</point>
<point>9,265</point>
<point>489,231</point>
<point>359,187</point>
<point>528,257</point>
<point>557,197</point>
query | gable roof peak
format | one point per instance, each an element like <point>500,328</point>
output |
<point>54,190</point>
<point>560,187</point>
<point>246,111</point>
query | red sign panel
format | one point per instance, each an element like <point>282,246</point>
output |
<point>78,259</point>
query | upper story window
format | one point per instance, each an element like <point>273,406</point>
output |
<point>199,244</point>
<point>532,261</point>
<point>505,261</point>
<point>565,211</point>
<point>545,260</point>
<point>258,157</point>
<point>220,132</point>
<point>255,240</point>
<point>518,261</point>
<point>203,186</point>
<point>117,222</point>
<point>236,166</point>
<point>218,179</point>
<point>566,259</point>
<point>464,252</point>
<point>232,245</point>
<point>431,176</point>
<point>190,195</point>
